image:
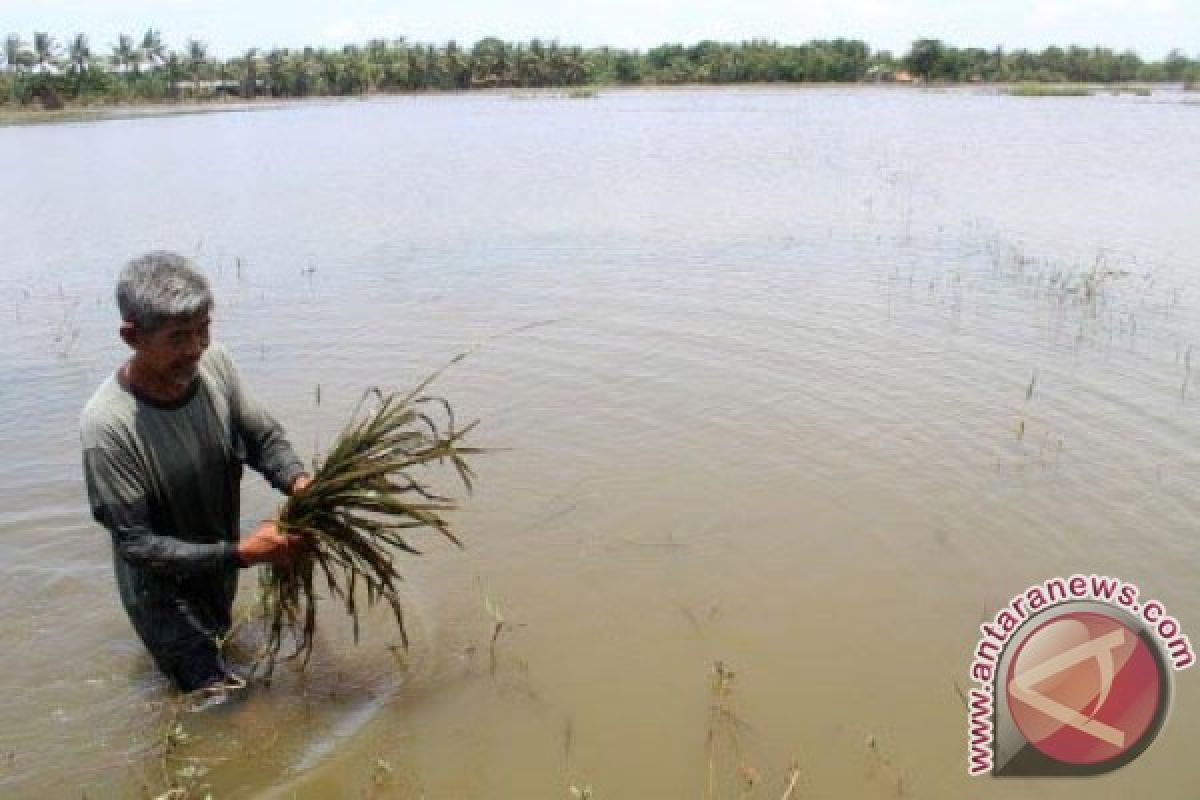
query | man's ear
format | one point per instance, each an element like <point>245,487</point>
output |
<point>129,334</point>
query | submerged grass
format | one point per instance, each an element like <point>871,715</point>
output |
<point>369,494</point>
<point>724,745</point>
<point>1042,90</point>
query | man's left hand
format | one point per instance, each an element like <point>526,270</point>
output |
<point>300,483</point>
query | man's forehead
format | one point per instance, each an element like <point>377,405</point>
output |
<point>174,324</point>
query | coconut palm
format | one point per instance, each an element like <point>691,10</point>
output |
<point>489,63</point>
<point>124,54</point>
<point>174,70</point>
<point>456,67</point>
<point>250,83</point>
<point>277,79</point>
<point>44,61</point>
<point>80,53</point>
<point>45,51</point>
<point>153,51</point>
<point>16,56</point>
<point>195,57</point>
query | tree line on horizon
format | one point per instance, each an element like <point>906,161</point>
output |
<point>42,70</point>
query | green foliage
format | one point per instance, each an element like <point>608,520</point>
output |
<point>933,60</point>
<point>144,68</point>
<point>930,59</point>
<point>1043,90</point>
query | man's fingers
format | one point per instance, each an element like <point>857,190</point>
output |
<point>289,546</point>
<point>271,545</point>
<point>295,545</point>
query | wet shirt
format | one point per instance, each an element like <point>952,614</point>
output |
<point>164,481</point>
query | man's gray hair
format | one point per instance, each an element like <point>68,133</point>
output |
<point>161,286</point>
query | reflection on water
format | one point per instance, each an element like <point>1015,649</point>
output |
<point>832,374</point>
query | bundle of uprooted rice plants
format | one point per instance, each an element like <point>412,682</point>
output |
<point>368,495</point>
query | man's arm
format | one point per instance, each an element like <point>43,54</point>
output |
<point>119,502</point>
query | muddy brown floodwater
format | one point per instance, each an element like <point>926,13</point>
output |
<point>781,420</point>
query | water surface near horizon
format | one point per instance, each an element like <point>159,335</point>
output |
<point>779,419</point>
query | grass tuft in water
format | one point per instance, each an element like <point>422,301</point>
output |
<point>724,746</point>
<point>1042,90</point>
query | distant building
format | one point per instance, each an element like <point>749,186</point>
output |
<point>882,74</point>
<point>217,87</point>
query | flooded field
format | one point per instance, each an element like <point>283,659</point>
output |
<point>827,377</point>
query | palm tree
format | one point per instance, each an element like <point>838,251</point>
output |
<point>433,69</point>
<point>489,63</point>
<point>457,67</point>
<point>45,51</point>
<point>153,50</point>
<point>195,57</point>
<point>79,64</point>
<point>174,70</point>
<point>18,58</point>
<point>124,54</point>
<point>311,74</point>
<point>15,54</point>
<point>80,53</point>
<point>248,73</point>
<point>45,60</point>
<point>576,68</point>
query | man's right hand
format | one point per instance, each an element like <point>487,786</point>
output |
<point>267,545</point>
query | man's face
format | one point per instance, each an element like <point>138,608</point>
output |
<point>172,352</point>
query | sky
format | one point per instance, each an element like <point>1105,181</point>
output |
<point>229,27</point>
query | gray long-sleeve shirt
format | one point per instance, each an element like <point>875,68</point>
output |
<point>165,483</point>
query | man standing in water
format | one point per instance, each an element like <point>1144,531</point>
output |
<point>164,440</point>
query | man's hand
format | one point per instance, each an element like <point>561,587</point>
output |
<point>267,545</point>
<point>300,483</point>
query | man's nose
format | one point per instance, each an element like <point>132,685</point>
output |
<point>195,346</point>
